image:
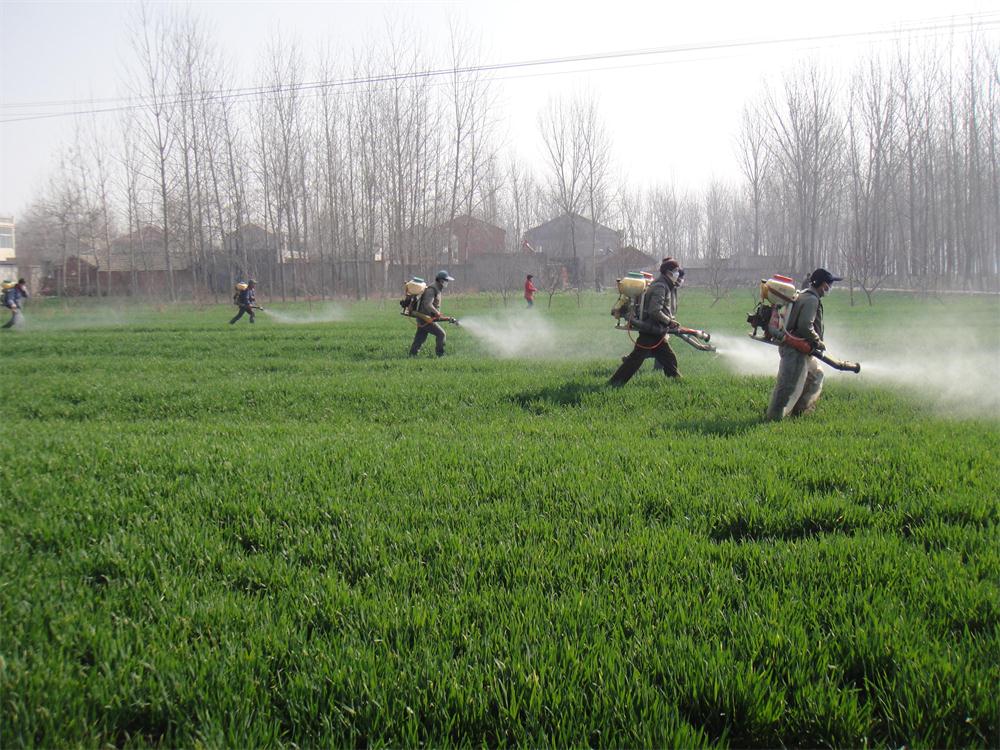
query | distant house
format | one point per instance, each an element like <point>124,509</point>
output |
<point>253,243</point>
<point>574,242</point>
<point>572,236</point>
<point>77,275</point>
<point>137,263</point>
<point>7,246</point>
<point>8,260</point>
<point>470,238</point>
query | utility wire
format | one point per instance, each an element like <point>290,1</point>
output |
<point>236,93</point>
<point>981,21</point>
<point>933,24</point>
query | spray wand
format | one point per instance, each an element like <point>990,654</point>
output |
<point>423,319</point>
<point>805,347</point>
<point>694,337</point>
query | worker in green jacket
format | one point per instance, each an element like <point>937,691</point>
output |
<point>800,380</point>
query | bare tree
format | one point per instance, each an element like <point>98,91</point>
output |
<point>153,84</point>
<point>102,199</point>
<point>560,127</point>
<point>718,217</point>
<point>897,173</point>
<point>552,281</point>
<point>596,169</point>
<point>754,161</point>
<point>872,165</point>
<point>806,145</point>
<point>471,105</point>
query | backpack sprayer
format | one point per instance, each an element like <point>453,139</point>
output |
<point>631,290</point>
<point>776,295</point>
<point>410,303</point>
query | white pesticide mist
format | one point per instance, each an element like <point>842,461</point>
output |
<point>959,380</point>
<point>524,334</point>
<point>72,319</point>
<point>954,374</point>
<point>322,314</point>
<point>746,357</point>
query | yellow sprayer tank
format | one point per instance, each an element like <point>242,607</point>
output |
<point>414,286</point>
<point>779,290</point>
<point>634,283</point>
<point>242,286</point>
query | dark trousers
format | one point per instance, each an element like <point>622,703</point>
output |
<point>15,319</point>
<point>663,355</point>
<point>243,309</point>
<point>423,330</point>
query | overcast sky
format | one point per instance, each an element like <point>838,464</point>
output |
<point>672,116</point>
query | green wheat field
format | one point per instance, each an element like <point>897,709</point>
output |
<point>293,535</point>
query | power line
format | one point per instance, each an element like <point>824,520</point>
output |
<point>930,26</point>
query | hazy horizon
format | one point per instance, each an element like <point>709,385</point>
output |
<point>672,116</point>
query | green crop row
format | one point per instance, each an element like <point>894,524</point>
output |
<point>294,535</point>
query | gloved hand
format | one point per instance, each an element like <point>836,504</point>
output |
<point>819,346</point>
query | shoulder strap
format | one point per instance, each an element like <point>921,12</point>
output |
<point>796,308</point>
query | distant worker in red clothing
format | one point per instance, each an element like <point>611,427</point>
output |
<point>529,290</point>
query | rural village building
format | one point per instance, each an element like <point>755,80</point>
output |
<point>575,243</point>
<point>478,252</point>
<point>136,264</point>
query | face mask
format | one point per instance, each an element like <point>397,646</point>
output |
<point>673,276</point>
<point>443,283</point>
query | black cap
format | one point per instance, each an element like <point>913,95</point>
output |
<point>443,276</point>
<point>822,276</point>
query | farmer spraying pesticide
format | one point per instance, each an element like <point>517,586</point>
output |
<point>13,299</point>
<point>246,297</point>
<point>800,380</point>
<point>651,309</point>
<point>425,306</point>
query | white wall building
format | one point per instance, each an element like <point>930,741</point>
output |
<point>8,263</point>
<point>6,238</point>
